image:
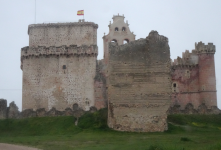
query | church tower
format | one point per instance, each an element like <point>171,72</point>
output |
<point>119,32</point>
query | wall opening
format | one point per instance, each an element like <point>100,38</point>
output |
<point>116,29</point>
<point>126,41</point>
<point>174,87</point>
<point>114,41</point>
<point>123,29</point>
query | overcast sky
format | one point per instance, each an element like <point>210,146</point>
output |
<point>184,22</point>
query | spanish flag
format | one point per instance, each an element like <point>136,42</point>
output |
<point>80,12</point>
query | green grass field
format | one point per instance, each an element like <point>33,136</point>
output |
<point>186,132</point>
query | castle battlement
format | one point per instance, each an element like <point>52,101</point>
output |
<point>191,59</point>
<point>202,48</point>
<point>62,50</point>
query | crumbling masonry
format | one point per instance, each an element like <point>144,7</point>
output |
<point>136,80</point>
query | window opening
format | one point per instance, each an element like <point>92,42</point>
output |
<point>123,29</point>
<point>116,29</point>
<point>126,41</point>
<point>174,85</point>
<point>114,41</point>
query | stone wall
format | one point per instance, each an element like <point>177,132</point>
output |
<point>12,111</point>
<point>185,86</point>
<point>58,77</point>
<point>139,84</point>
<point>189,109</point>
<point>100,86</point>
<point>58,34</point>
<point>3,108</point>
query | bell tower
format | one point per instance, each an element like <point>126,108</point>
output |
<point>119,32</point>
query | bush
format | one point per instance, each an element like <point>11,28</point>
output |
<point>96,120</point>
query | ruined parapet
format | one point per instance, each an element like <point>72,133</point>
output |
<point>139,84</point>
<point>58,34</point>
<point>3,109</point>
<point>188,60</point>
<point>13,111</point>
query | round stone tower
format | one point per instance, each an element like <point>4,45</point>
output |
<point>207,77</point>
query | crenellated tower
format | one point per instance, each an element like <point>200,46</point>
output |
<point>207,76</point>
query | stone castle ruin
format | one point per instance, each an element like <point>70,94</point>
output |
<point>136,80</point>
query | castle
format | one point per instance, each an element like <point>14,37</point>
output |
<point>136,80</point>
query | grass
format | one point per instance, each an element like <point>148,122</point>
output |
<point>186,132</point>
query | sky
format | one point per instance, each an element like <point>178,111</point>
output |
<point>183,22</point>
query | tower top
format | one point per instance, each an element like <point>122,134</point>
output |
<point>200,47</point>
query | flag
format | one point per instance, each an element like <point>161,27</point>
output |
<point>80,12</point>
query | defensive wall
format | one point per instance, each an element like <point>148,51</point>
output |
<point>12,112</point>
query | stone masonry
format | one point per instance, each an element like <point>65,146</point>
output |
<point>136,80</point>
<point>139,84</point>
<point>59,66</point>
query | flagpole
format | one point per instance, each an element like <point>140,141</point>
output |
<point>35,11</point>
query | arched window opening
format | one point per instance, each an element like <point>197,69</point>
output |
<point>116,29</point>
<point>123,29</point>
<point>126,41</point>
<point>114,41</point>
<point>174,85</point>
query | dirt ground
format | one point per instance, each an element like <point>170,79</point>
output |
<point>4,146</point>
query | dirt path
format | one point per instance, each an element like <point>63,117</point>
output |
<point>4,146</point>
